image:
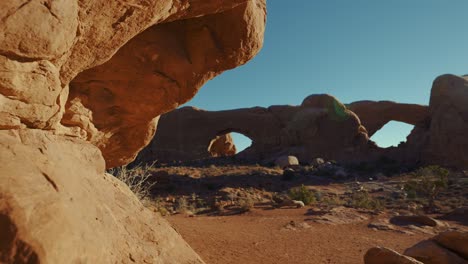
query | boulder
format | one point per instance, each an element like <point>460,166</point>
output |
<point>61,207</point>
<point>429,252</point>
<point>455,241</point>
<point>286,161</point>
<point>320,127</point>
<point>382,255</point>
<point>459,215</point>
<point>222,146</point>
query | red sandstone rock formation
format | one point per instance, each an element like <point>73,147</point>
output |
<point>222,146</point>
<point>443,139</point>
<point>374,115</point>
<point>449,247</point>
<point>76,76</point>
<point>115,104</point>
<point>439,136</point>
<point>58,206</point>
<point>320,127</point>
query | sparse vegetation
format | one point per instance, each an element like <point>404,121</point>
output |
<point>137,179</point>
<point>427,183</point>
<point>245,204</point>
<point>330,202</point>
<point>363,200</point>
<point>182,206</point>
<point>302,194</point>
<point>159,207</point>
<point>200,190</point>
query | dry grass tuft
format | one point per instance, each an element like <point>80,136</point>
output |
<point>137,179</point>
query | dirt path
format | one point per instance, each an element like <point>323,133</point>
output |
<point>260,237</point>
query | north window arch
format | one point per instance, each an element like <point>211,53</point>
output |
<point>392,134</point>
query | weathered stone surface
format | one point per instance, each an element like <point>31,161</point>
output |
<point>156,71</point>
<point>222,146</point>
<point>430,252</point>
<point>442,139</point>
<point>455,241</point>
<point>320,127</point>
<point>57,205</point>
<point>381,255</point>
<point>447,140</point>
<point>459,215</point>
<point>163,50</point>
<point>374,115</point>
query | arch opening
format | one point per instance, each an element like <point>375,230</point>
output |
<point>228,144</point>
<point>392,134</point>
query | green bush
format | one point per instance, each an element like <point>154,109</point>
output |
<point>362,199</point>
<point>302,194</point>
<point>427,183</point>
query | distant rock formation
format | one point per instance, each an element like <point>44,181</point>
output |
<point>443,139</point>
<point>374,115</point>
<point>82,84</point>
<point>222,146</point>
<point>323,127</point>
<point>320,127</point>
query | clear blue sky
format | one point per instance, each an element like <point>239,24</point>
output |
<point>354,50</point>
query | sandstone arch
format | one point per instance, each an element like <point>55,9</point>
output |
<point>375,114</point>
<point>183,134</point>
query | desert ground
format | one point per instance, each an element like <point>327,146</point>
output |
<point>228,214</point>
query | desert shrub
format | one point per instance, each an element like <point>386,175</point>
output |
<point>217,205</point>
<point>182,205</point>
<point>330,202</point>
<point>159,206</point>
<point>136,178</point>
<point>362,199</point>
<point>197,203</point>
<point>246,204</point>
<point>302,194</point>
<point>427,183</point>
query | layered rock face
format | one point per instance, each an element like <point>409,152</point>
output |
<point>84,79</point>
<point>186,133</point>
<point>374,115</point>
